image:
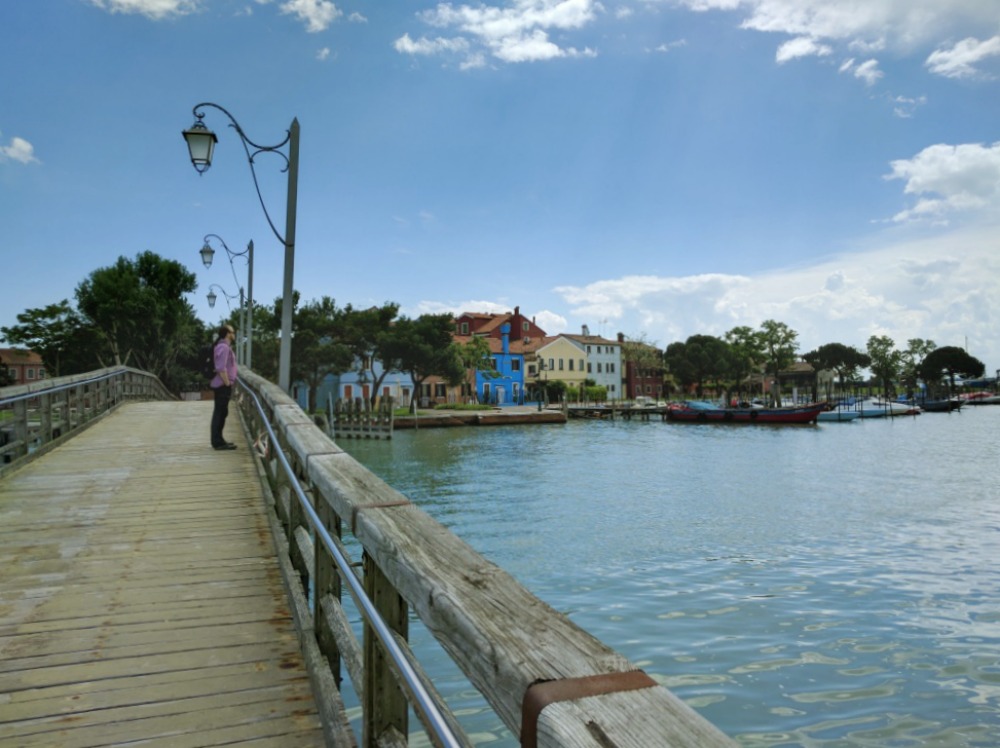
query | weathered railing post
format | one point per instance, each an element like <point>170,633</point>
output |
<point>385,705</point>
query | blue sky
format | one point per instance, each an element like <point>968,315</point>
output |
<point>654,167</point>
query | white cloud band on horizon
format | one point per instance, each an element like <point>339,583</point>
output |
<point>945,289</point>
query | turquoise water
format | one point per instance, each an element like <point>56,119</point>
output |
<point>830,585</point>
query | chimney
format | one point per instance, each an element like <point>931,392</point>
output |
<point>586,331</point>
<point>505,337</point>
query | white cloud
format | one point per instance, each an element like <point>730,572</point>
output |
<point>357,18</point>
<point>317,14</point>
<point>19,150</point>
<point>425,46</point>
<point>517,32</point>
<point>154,9</point>
<point>323,54</point>
<point>960,60</point>
<point>868,72</point>
<point>802,46</point>
<point>867,26</point>
<point>949,179</point>
<point>945,288</point>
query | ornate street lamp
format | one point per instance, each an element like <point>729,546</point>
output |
<point>241,338</point>
<point>201,146</point>
<point>246,310</point>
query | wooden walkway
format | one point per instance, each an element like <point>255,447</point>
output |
<point>140,597</point>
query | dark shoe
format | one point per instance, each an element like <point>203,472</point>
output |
<point>225,446</point>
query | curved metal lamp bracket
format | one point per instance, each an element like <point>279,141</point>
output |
<point>199,114</point>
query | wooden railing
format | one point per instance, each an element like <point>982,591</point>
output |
<point>549,681</point>
<point>36,416</point>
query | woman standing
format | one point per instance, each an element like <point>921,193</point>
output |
<point>222,384</point>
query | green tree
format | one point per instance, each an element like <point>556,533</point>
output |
<point>779,343</point>
<point>885,362</point>
<point>58,334</point>
<point>319,348</point>
<point>698,360</point>
<point>138,310</point>
<point>916,351</point>
<point>947,363</point>
<point>746,353</point>
<point>423,347</point>
<point>843,360</point>
<point>364,330</point>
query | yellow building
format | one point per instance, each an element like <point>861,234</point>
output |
<point>561,358</point>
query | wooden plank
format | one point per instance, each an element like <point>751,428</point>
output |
<point>140,600</point>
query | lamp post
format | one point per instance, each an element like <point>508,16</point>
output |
<point>212,298</point>
<point>201,146</point>
<point>246,312</point>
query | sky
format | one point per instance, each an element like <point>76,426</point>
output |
<point>659,168</point>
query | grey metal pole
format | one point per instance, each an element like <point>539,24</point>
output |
<point>249,356</point>
<point>285,354</point>
<point>241,351</point>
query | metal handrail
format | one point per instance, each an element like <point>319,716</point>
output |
<point>59,388</point>
<point>435,720</point>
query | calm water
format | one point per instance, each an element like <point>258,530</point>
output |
<point>831,585</point>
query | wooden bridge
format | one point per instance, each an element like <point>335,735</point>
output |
<point>154,591</point>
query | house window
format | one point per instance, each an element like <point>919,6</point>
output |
<point>12,373</point>
<point>493,364</point>
<point>515,364</point>
<point>531,370</point>
<point>581,364</point>
<point>465,328</point>
<point>551,364</point>
<point>41,373</point>
<point>560,364</point>
<point>598,367</point>
<point>588,350</point>
<point>31,373</point>
<point>611,368</point>
<point>525,326</point>
<point>440,389</point>
<point>571,364</point>
<point>589,367</point>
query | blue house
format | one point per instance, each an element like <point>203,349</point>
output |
<point>353,384</point>
<point>502,383</point>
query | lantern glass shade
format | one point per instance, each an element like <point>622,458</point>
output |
<point>207,253</point>
<point>211,299</point>
<point>201,144</point>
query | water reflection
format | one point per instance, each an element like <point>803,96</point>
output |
<point>827,586</point>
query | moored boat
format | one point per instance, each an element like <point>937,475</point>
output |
<point>695,411</point>
<point>837,415</point>
<point>941,406</point>
<point>874,407</point>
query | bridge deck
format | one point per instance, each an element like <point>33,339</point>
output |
<point>140,597</point>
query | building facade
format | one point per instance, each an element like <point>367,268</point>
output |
<point>23,366</point>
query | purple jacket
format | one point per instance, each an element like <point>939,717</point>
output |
<point>225,360</point>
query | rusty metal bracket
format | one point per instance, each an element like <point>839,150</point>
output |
<point>541,693</point>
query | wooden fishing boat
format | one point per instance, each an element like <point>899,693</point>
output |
<point>695,411</point>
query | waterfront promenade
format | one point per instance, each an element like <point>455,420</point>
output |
<point>141,599</point>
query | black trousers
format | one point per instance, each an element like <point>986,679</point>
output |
<point>221,410</point>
